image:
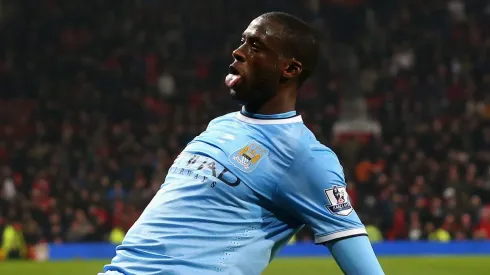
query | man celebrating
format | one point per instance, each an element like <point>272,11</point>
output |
<point>240,190</point>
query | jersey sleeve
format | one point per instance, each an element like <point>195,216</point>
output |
<point>314,191</point>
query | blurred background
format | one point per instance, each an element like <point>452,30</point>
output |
<point>97,98</point>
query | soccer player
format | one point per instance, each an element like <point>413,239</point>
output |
<point>240,190</point>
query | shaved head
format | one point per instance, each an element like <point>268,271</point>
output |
<point>300,40</point>
<point>277,53</point>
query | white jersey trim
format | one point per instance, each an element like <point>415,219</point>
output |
<point>251,120</point>
<point>341,234</point>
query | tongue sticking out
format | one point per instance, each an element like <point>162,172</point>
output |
<point>231,80</point>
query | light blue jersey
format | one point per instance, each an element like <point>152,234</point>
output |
<point>235,196</point>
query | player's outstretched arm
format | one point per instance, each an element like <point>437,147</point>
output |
<point>355,256</point>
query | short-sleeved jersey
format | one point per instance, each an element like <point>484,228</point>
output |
<point>235,196</point>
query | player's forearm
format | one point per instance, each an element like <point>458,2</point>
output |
<point>355,256</point>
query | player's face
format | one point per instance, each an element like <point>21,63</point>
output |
<point>258,64</point>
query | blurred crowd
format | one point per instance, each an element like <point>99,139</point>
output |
<point>97,98</point>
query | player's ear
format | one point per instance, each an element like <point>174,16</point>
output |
<point>293,69</point>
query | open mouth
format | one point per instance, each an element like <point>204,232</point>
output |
<point>233,77</point>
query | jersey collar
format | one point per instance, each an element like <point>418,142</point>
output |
<point>284,118</point>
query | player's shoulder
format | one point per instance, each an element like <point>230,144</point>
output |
<point>310,146</point>
<point>225,117</point>
<point>312,154</point>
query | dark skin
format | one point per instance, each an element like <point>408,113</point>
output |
<point>269,77</point>
<point>268,84</point>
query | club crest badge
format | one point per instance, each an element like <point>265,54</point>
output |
<point>249,156</point>
<point>338,199</point>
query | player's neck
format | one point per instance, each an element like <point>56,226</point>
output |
<point>283,103</point>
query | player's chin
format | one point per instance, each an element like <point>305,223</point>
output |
<point>238,94</point>
<point>237,97</point>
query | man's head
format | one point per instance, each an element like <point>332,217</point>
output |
<point>277,52</point>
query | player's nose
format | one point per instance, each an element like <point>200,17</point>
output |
<point>238,55</point>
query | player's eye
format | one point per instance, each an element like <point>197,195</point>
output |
<point>255,46</point>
